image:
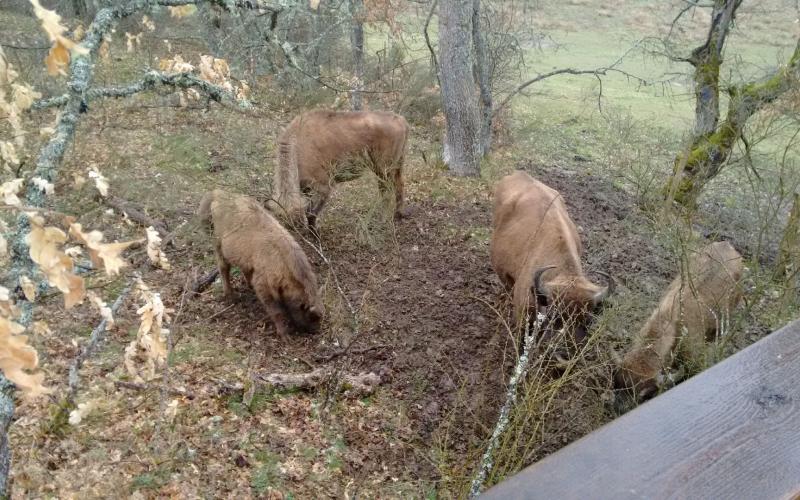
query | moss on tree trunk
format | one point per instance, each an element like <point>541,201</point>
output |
<point>710,151</point>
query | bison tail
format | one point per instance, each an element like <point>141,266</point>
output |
<point>287,200</point>
<point>204,212</point>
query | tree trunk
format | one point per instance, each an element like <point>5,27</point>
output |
<point>357,44</point>
<point>710,152</point>
<point>789,249</point>
<point>707,60</point>
<point>461,148</point>
<point>482,77</point>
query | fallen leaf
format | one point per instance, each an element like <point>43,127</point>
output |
<point>9,191</point>
<point>44,185</point>
<point>28,288</point>
<point>79,413</point>
<point>16,356</point>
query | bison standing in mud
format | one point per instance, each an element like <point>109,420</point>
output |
<point>691,310</point>
<point>320,148</point>
<point>536,251</point>
<point>276,268</point>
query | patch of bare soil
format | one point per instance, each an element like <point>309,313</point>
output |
<point>436,339</point>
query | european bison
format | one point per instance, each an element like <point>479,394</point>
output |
<point>691,310</point>
<point>320,148</point>
<point>247,236</point>
<point>536,252</point>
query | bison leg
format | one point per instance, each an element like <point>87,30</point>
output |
<point>395,183</point>
<point>399,209</point>
<point>224,271</point>
<point>278,316</point>
<point>318,200</point>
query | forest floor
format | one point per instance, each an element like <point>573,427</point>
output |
<point>429,308</point>
<point>429,312</point>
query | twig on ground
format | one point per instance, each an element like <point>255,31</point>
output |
<point>218,313</point>
<point>173,391</point>
<point>94,339</point>
<point>342,352</point>
<point>205,281</point>
<point>135,214</point>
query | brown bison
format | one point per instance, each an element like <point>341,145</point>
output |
<point>247,236</point>
<point>320,148</point>
<point>536,252</point>
<point>690,311</point>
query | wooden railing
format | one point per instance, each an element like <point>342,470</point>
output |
<point>733,431</point>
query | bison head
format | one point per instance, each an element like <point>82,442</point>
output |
<point>569,303</point>
<point>640,375</point>
<point>303,309</point>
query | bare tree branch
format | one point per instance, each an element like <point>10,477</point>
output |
<point>597,72</point>
<point>151,80</point>
<point>434,61</point>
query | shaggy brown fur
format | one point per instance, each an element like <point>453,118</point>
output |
<point>533,234</point>
<point>320,148</point>
<point>247,236</point>
<point>690,311</point>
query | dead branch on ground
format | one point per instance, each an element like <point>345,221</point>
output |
<point>172,391</point>
<point>135,214</point>
<point>359,385</point>
<point>204,281</point>
<point>91,345</point>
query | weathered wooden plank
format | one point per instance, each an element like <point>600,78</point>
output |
<point>732,431</point>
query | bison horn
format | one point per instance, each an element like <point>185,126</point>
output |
<point>606,292</point>
<point>538,288</point>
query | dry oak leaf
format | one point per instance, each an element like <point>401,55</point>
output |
<point>148,23</point>
<point>154,251</point>
<point>149,349</point>
<point>7,73</point>
<point>44,185</point>
<point>9,191</point>
<point>105,311</point>
<point>44,243</point>
<point>58,57</point>
<point>28,288</point>
<point>100,181</point>
<point>3,249</point>
<point>23,95</point>
<point>7,307</point>
<point>83,409</point>
<point>16,356</point>
<point>8,153</point>
<point>182,11</point>
<point>132,41</point>
<point>105,254</point>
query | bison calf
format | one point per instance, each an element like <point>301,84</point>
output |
<point>690,311</point>
<point>536,251</point>
<point>247,236</point>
